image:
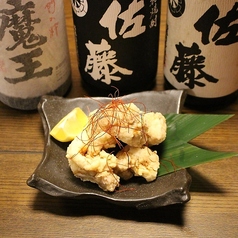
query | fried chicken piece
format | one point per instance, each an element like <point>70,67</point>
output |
<point>97,169</point>
<point>86,144</point>
<point>155,127</point>
<point>130,125</point>
<point>132,161</point>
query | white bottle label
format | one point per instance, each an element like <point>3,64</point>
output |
<point>34,57</point>
<point>202,47</point>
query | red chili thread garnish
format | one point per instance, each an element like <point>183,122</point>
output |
<point>111,118</point>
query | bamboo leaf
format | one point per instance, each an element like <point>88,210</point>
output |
<point>189,126</point>
<point>176,153</point>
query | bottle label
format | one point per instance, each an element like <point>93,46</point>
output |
<point>34,57</point>
<point>202,47</point>
<point>117,45</point>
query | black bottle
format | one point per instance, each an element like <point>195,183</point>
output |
<point>117,43</point>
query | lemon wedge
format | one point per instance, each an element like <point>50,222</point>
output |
<point>70,126</point>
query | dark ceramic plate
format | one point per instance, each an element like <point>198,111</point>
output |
<point>53,175</point>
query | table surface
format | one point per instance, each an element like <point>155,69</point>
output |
<point>27,212</point>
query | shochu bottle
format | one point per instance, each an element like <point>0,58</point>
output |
<point>117,44</point>
<point>201,54</point>
<point>34,57</point>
